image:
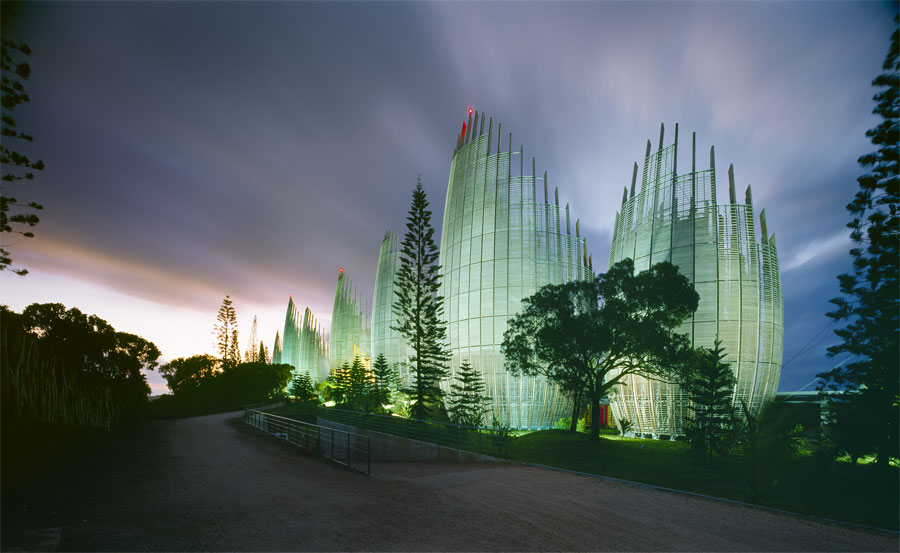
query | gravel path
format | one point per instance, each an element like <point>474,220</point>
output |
<point>212,483</point>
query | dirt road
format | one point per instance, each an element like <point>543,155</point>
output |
<point>212,483</point>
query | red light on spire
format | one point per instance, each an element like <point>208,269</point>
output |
<point>470,111</point>
<point>340,273</point>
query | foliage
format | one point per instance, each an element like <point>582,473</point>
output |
<point>201,385</point>
<point>351,386</point>
<point>17,169</point>
<point>262,355</point>
<point>565,423</point>
<point>226,334</point>
<point>55,360</point>
<point>419,307</point>
<point>855,493</point>
<point>301,387</point>
<point>870,302</point>
<point>187,375</point>
<point>385,380</point>
<point>467,400</point>
<point>711,419</point>
<point>589,335</point>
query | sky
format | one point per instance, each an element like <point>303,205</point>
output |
<point>198,149</point>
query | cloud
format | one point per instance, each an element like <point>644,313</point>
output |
<point>819,250</point>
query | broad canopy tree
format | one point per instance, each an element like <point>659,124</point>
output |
<point>589,335</point>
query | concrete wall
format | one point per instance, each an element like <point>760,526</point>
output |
<point>386,447</point>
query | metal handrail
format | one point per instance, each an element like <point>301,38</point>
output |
<point>488,441</point>
<point>346,448</point>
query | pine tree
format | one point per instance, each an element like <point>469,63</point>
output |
<point>384,380</point>
<point>226,333</point>
<point>467,397</point>
<point>17,168</point>
<point>251,354</point>
<point>870,302</point>
<point>710,421</point>
<point>262,354</point>
<point>419,306</point>
<point>302,387</point>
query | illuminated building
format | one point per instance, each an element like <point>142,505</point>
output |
<point>350,334</point>
<point>676,218</point>
<point>303,346</point>
<point>502,239</point>
<point>385,340</point>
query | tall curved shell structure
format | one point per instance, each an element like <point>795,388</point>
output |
<point>303,345</point>
<point>385,340</point>
<point>313,348</point>
<point>676,218</point>
<point>290,337</point>
<point>350,334</point>
<point>502,239</point>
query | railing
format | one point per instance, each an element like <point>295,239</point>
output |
<point>487,441</point>
<point>342,447</point>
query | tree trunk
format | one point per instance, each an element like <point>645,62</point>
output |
<point>574,426</point>
<point>595,414</point>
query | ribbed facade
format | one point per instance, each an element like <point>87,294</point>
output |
<point>313,348</point>
<point>502,239</point>
<point>303,345</point>
<point>385,340</point>
<point>290,336</point>
<point>350,332</point>
<point>276,349</point>
<point>676,218</point>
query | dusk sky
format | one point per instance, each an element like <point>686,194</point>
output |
<point>200,149</point>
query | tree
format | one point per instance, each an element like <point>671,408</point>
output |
<point>468,402</point>
<point>226,333</point>
<point>869,303</point>
<point>16,217</point>
<point>384,380</point>
<point>302,387</point>
<point>590,335</point>
<point>187,375</point>
<point>251,355</point>
<point>419,307</point>
<point>338,384</point>
<point>262,355</point>
<point>711,419</point>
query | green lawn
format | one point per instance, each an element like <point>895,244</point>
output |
<point>840,491</point>
<point>303,411</point>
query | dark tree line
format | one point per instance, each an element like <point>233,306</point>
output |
<point>60,365</point>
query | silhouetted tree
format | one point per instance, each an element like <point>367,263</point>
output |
<point>262,355</point>
<point>870,301</point>
<point>468,402</point>
<point>16,216</point>
<point>711,418</point>
<point>226,334</point>
<point>419,306</point>
<point>188,375</point>
<point>594,333</point>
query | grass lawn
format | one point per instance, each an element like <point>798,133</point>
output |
<point>303,411</point>
<point>853,493</point>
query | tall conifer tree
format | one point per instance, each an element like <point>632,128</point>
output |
<point>419,306</point>
<point>870,301</point>
<point>467,397</point>
<point>226,333</point>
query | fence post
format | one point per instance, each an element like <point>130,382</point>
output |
<point>332,443</point>
<point>368,455</point>
<point>348,449</point>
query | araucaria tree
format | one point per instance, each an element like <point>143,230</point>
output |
<point>868,305</point>
<point>468,402</point>
<point>419,307</point>
<point>711,414</point>
<point>384,380</point>
<point>226,333</point>
<point>16,216</point>
<point>590,335</point>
